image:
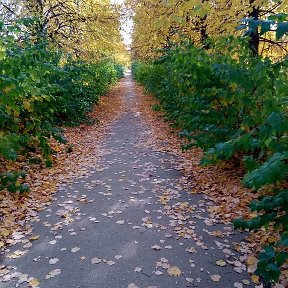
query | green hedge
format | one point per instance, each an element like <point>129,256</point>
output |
<point>40,89</point>
<point>232,105</point>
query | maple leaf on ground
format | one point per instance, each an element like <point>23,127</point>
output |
<point>174,271</point>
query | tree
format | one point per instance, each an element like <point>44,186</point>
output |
<point>158,23</point>
<point>86,28</point>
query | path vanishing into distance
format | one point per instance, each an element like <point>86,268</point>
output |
<point>114,228</point>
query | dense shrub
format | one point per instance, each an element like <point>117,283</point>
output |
<point>233,106</point>
<point>40,89</point>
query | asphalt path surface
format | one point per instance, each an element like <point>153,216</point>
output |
<point>120,226</point>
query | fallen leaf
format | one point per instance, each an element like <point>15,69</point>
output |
<point>96,260</point>
<point>132,285</point>
<point>23,278</point>
<point>75,249</point>
<point>16,254</point>
<point>191,250</point>
<point>137,269</point>
<point>5,232</point>
<point>53,261</point>
<point>174,271</point>
<point>28,245</point>
<point>34,283</point>
<point>221,263</point>
<point>215,277</point>
<point>165,265</point>
<point>35,237</point>
<point>156,247</point>
<point>217,233</point>
<point>53,273</point>
<point>238,269</point>
<point>255,279</point>
<point>110,262</point>
<point>251,260</point>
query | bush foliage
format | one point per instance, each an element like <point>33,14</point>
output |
<point>40,89</point>
<point>235,106</point>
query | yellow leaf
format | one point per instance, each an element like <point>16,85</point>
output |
<point>16,254</point>
<point>1,244</point>
<point>194,192</point>
<point>57,148</point>
<point>251,260</point>
<point>16,113</point>
<point>27,105</point>
<point>7,89</point>
<point>34,283</point>
<point>5,232</point>
<point>163,200</point>
<point>174,271</point>
<point>34,237</point>
<point>272,239</point>
<point>217,233</point>
<point>233,86</point>
<point>255,279</point>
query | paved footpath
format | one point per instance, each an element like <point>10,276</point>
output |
<point>119,227</point>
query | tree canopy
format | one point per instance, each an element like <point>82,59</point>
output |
<point>158,24</point>
<point>89,29</point>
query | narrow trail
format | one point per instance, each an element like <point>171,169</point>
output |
<point>115,229</point>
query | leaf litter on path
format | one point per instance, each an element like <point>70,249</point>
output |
<point>177,211</point>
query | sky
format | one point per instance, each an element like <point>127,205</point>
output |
<point>126,26</point>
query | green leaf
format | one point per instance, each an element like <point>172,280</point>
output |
<point>241,27</point>
<point>281,257</point>
<point>281,30</point>
<point>265,27</point>
<point>271,171</point>
<point>284,240</point>
<point>250,163</point>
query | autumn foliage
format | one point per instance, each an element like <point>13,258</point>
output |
<point>42,88</point>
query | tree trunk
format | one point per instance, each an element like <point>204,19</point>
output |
<point>203,33</point>
<point>254,36</point>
